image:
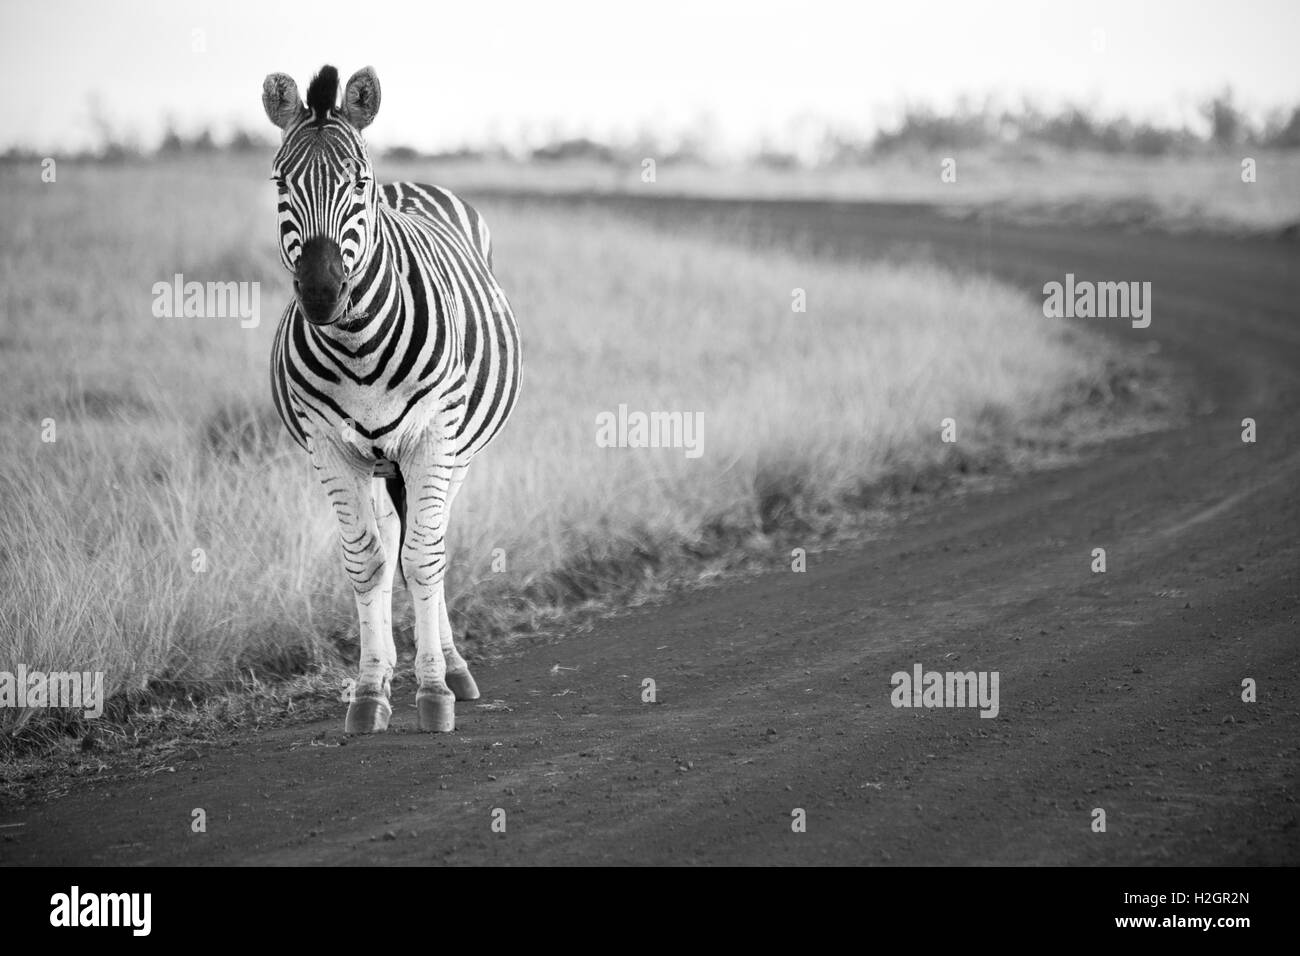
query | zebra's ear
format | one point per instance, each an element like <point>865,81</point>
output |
<point>361,98</point>
<point>280,99</point>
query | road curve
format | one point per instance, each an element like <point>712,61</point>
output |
<point>1119,691</point>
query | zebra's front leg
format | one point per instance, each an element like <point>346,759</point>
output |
<point>424,560</point>
<point>369,545</point>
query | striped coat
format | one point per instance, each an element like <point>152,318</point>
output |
<point>436,330</point>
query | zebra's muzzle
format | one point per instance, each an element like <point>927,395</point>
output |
<point>320,282</point>
<point>324,309</point>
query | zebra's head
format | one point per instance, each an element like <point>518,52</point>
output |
<point>328,199</point>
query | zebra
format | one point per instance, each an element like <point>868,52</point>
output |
<point>395,363</point>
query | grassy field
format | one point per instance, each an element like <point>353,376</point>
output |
<point>166,440</point>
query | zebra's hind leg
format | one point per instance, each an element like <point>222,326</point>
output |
<point>459,680</point>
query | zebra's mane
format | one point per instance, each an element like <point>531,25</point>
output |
<point>323,92</point>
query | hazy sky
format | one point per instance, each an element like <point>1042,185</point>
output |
<point>465,72</point>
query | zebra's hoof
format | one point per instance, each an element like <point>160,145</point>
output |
<point>368,715</point>
<point>462,685</point>
<point>437,710</point>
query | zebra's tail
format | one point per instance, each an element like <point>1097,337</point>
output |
<point>396,488</point>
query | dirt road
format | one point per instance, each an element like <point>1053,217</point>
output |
<point>1119,691</point>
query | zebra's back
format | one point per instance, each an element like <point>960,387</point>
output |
<point>434,202</point>
<point>491,340</point>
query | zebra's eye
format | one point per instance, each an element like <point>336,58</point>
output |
<point>360,188</point>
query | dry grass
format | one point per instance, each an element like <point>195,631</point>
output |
<point>167,442</point>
